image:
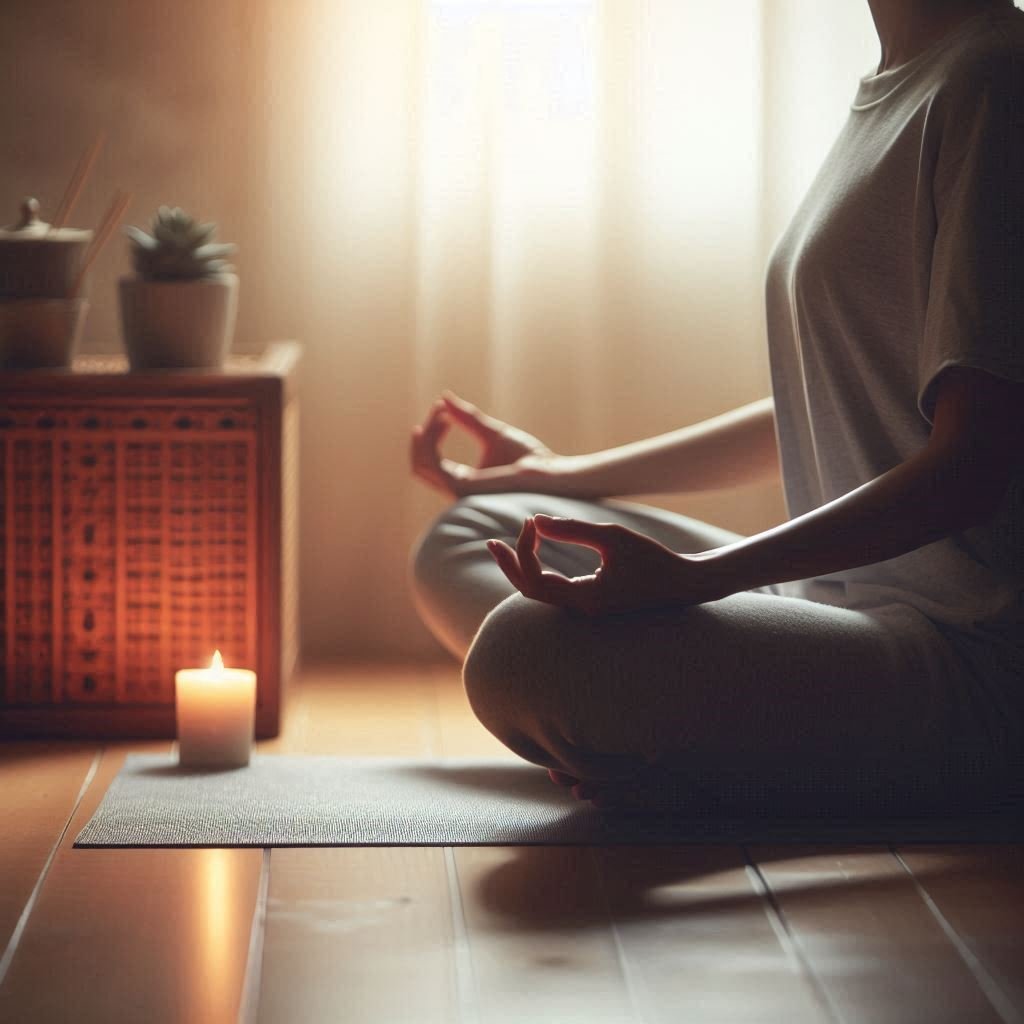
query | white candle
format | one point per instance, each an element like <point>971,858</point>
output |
<point>215,708</point>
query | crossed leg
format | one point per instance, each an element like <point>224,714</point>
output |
<point>759,702</point>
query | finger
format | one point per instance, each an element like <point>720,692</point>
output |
<point>443,474</point>
<point>526,553</point>
<point>436,478</point>
<point>551,588</point>
<point>426,440</point>
<point>470,417</point>
<point>436,425</point>
<point>602,537</point>
<point>543,584</point>
<point>435,407</point>
<point>562,778</point>
<point>421,450</point>
<point>419,453</point>
<point>427,437</point>
<point>425,443</point>
<point>507,563</point>
<point>576,594</point>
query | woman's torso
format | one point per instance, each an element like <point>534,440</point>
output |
<point>850,304</point>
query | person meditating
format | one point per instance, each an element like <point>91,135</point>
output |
<point>867,655</point>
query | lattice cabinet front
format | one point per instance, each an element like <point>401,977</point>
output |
<point>139,532</point>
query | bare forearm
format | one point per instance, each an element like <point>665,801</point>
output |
<point>924,499</point>
<point>735,448</point>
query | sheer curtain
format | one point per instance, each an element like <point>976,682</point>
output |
<point>561,209</point>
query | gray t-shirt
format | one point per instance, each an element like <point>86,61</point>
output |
<point>906,257</point>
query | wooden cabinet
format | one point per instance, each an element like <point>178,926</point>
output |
<point>145,520</point>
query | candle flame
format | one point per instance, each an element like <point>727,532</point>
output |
<point>217,663</point>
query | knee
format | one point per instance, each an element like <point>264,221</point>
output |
<point>425,565</point>
<point>455,533</point>
<point>529,682</point>
<point>509,674</point>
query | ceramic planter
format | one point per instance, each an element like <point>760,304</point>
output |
<point>178,324</point>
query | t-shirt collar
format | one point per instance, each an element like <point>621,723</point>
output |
<point>875,87</point>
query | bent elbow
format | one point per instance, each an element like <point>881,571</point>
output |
<point>976,499</point>
<point>968,481</point>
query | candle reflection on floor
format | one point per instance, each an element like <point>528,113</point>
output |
<point>221,932</point>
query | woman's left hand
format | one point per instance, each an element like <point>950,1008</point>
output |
<point>636,572</point>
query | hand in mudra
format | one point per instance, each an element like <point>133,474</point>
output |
<point>636,571</point>
<point>510,458</point>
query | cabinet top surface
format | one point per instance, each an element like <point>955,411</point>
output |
<point>110,373</point>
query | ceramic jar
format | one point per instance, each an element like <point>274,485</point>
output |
<point>42,303</point>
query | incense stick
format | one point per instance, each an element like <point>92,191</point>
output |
<point>103,232</point>
<point>77,182</point>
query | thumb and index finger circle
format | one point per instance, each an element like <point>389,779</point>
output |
<point>599,536</point>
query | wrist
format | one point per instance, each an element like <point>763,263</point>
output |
<point>577,476</point>
<point>543,473</point>
<point>719,572</point>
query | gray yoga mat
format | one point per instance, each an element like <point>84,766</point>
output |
<point>335,801</point>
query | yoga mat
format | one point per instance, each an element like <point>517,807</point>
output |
<point>334,801</point>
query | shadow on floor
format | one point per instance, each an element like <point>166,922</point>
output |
<point>571,888</point>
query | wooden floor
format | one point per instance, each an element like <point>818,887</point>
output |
<point>479,935</point>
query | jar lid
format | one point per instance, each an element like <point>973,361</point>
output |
<point>30,227</point>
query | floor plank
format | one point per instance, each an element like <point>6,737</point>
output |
<point>141,935</point>
<point>979,891</point>
<point>540,938</point>
<point>874,947</point>
<point>541,942</point>
<point>360,935</point>
<point>698,941</point>
<point>39,784</point>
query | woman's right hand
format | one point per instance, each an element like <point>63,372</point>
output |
<point>510,459</point>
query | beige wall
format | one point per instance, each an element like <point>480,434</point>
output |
<point>169,85</point>
<point>183,92</point>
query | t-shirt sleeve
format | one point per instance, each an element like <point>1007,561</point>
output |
<point>975,309</point>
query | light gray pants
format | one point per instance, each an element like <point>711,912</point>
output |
<point>776,700</point>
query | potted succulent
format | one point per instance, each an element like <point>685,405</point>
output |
<point>179,310</point>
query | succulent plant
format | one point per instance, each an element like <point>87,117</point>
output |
<point>178,249</point>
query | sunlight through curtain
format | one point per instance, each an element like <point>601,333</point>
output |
<point>561,209</point>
